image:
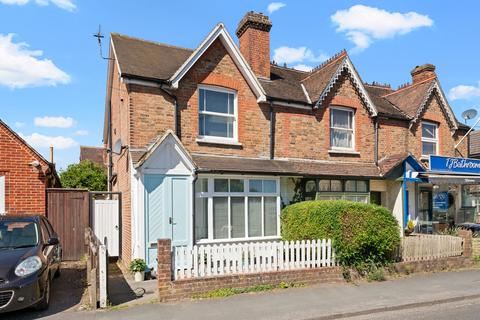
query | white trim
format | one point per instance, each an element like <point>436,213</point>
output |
<point>305,93</point>
<point>2,195</point>
<point>145,83</point>
<point>220,32</point>
<point>430,140</point>
<point>116,59</point>
<point>346,109</point>
<point>11,298</point>
<point>218,140</point>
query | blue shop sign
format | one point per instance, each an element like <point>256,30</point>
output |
<point>451,164</point>
<point>440,201</point>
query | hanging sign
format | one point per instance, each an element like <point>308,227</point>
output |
<point>452,164</point>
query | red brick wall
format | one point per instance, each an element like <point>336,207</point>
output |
<point>306,134</point>
<point>24,184</point>
<point>392,137</point>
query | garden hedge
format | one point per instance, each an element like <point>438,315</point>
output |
<point>361,233</point>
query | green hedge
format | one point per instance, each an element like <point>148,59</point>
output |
<point>361,233</point>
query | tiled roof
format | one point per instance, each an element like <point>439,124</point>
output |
<point>410,98</point>
<point>285,84</point>
<point>384,106</point>
<point>94,154</point>
<point>146,59</point>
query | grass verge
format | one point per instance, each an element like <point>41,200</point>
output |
<point>227,292</point>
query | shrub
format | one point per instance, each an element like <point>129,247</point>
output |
<point>137,265</point>
<point>361,233</point>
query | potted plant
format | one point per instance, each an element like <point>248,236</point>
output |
<point>137,267</point>
<point>410,227</point>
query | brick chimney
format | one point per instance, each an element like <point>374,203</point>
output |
<point>423,72</point>
<point>253,33</point>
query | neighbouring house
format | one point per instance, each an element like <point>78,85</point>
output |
<point>216,139</point>
<point>94,154</point>
<point>24,175</point>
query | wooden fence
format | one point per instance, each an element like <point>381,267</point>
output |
<point>97,269</point>
<point>238,258</point>
<point>427,247</point>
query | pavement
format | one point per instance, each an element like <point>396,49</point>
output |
<point>320,302</point>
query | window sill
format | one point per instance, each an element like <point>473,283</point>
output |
<point>220,142</point>
<point>348,152</point>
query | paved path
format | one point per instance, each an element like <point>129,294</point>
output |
<point>314,302</point>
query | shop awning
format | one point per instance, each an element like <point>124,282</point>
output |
<point>451,179</point>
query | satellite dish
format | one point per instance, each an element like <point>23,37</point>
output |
<point>118,146</point>
<point>469,114</point>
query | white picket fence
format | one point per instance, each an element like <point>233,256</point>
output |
<point>427,247</point>
<point>238,258</point>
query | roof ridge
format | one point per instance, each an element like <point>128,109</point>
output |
<point>378,85</point>
<point>150,41</point>
<point>336,57</point>
<point>409,86</point>
<point>273,64</point>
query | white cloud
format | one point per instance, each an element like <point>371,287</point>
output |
<point>68,5</point>
<point>290,55</point>
<point>302,67</point>
<point>362,24</point>
<point>38,140</point>
<point>19,124</point>
<point>54,122</point>
<point>464,92</point>
<point>81,133</point>
<point>21,67</point>
<point>274,6</point>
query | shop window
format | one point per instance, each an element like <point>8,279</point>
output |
<point>429,138</point>
<point>352,190</point>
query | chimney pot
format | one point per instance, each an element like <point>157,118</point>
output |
<point>423,72</point>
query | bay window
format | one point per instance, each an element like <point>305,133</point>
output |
<point>217,114</point>
<point>342,133</point>
<point>429,138</point>
<point>231,208</point>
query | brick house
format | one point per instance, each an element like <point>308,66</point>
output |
<point>94,154</point>
<point>24,175</point>
<point>215,140</point>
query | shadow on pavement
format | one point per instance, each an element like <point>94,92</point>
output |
<point>119,291</point>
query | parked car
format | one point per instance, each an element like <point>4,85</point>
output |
<point>30,257</point>
<point>474,227</point>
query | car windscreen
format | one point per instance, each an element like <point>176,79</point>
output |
<point>18,234</point>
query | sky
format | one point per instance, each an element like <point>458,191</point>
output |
<point>53,80</point>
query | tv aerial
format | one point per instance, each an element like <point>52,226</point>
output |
<point>99,37</point>
<point>469,114</point>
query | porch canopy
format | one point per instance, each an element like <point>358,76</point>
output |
<point>436,178</point>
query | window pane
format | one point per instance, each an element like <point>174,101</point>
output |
<point>201,100</point>
<point>311,186</point>
<point>236,185</point>
<point>429,148</point>
<point>201,185</point>
<point>216,126</point>
<point>231,105</point>
<point>220,217</point>
<point>269,186</point>
<point>220,185</point>
<point>270,222</point>
<point>429,131</point>
<point>254,216</point>
<point>201,218</point>
<point>324,185</point>
<point>336,185</point>
<point>341,119</point>
<point>216,101</point>
<point>237,209</point>
<point>255,185</point>
<point>350,186</point>
<point>201,124</point>
<point>341,138</point>
<point>362,186</point>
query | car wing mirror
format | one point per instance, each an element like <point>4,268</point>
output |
<point>53,241</point>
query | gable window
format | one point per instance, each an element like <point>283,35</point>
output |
<point>217,113</point>
<point>429,138</point>
<point>342,134</point>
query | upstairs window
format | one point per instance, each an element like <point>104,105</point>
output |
<point>429,138</point>
<point>342,134</point>
<point>217,113</point>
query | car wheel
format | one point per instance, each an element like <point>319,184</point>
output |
<point>44,303</point>
<point>57,273</point>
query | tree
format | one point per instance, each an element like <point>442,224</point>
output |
<point>86,175</point>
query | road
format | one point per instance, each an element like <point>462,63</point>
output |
<point>462,310</point>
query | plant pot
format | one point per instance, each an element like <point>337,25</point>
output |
<point>139,276</point>
<point>408,232</point>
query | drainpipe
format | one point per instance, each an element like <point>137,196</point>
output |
<point>175,109</point>
<point>272,131</point>
<point>195,177</point>
<point>376,140</point>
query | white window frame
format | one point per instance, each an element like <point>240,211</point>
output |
<point>206,138</point>
<point>246,193</point>
<point>430,140</point>
<point>352,111</point>
<point>2,195</point>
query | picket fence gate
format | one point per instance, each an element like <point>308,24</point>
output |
<point>238,258</point>
<point>428,247</point>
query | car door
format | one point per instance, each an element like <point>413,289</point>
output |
<point>57,247</point>
<point>48,251</point>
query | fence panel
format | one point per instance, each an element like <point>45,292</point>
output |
<point>428,247</point>
<point>97,270</point>
<point>237,258</point>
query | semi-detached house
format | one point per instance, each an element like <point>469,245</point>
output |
<point>215,140</point>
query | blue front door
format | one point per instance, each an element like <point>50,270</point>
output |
<point>167,202</point>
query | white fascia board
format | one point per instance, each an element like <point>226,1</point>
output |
<point>361,87</point>
<point>220,32</point>
<point>115,57</point>
<point>145,83</point>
